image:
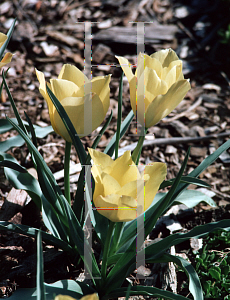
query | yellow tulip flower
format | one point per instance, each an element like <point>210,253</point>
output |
<point>121,192</point>
<point>88,297</point>
<point>8,56</point>
<point>70,89</point>
<point>157,87</point>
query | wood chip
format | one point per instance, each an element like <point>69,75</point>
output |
<point>154,33</point>
<point>13,204</point>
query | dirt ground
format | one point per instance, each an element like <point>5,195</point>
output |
<point>49,34</point>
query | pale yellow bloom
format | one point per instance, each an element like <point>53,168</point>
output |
<point>164,85</point>
<point>121,192</point>
<point>8,56</point>
<point>88,297</point>
<point>70,89</point>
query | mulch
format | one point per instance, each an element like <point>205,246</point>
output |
<point>49,34</point>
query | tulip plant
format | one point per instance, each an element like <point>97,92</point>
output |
<point>117,196</point>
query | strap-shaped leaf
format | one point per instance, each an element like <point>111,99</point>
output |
<point>13,166</point>
<point>53,221</point>
<point>17,140</point>
<point>185,179</point>
<point>191,198</point>
<point>77,236</point>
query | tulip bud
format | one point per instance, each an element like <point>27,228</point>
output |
<point>121,192</point>
<point>69,89</point>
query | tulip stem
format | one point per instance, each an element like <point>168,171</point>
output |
<point>106,250</point>
<point>137,151</point>
<point>116,237</point>
<point>66,171</point>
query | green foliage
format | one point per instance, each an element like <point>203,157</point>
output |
<point>213,265</point>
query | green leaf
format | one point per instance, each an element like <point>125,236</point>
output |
<point>40,274</point>
<point>18,141</point>
<point>14,141</point>
<point>77,236</point>
<point>34,138</point>
<point>185,179</point>
<point>215,272</point>
<point>53,222</point>
<point>13,166</point>
<point>190,198</point>
<point>65,287</point>
<point>4,125</point>
<point>69,126</point>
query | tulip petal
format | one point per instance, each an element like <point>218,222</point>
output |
<point>140,66</point>
<point>171,76</point>
<point>111,186</point>
<point>73,74</point>
<point>125,65</point>
<point>165,56</point>
<point>154,85</point>
<point>134,189</point>
<point>63,88</point>
<point>43,91</point>
<point>116,208</point>
<point>100,86</point>
<point>3,38</point>
<point>157,173</point>
<point>74,107</point>
<point>100,159</point>
<point>104,94</point>
<point>124,170</point>
<point>162,105</point>
<point>6,59</point>
<point>99,188</point>
<point>153,63</point>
